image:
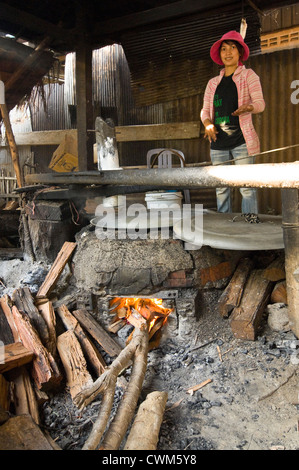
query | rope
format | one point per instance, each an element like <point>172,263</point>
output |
<point>258,154</point>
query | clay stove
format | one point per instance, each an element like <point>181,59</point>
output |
<point>115,271</point>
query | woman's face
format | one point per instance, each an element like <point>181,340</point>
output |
<point>229,54</point>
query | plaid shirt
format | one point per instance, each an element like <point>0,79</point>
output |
<point>249,92</point>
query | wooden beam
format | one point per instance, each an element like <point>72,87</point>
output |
<point>150,132</point>
<point>12,145</point>
<point>170,131</point>
<point>84,107</point>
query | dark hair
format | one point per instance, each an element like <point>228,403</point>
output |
<point>236,43</point>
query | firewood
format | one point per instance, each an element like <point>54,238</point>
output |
<point>216,273</point>
<point>15,355</point>
<point>106,383</point>
<point>23,394</point>
<point>22,433</point>
<point>147,423</point>
<point>92,354</point>
<point>279,293</point>
<point>276,270</point>
<point>246,319</point>
<point>46,310</point>
<point>6,335</point>
<point>232,294</point>
<point>126,409</point>
<point>97,332</point>
<point>116,325</point>
<point>58,266</point>
<point>78,377</point>
<point>6,305</point>
<point>24,302</point>
<point>45,371</point>
<point>4,393</point>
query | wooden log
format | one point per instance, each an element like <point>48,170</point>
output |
<point>6,305</point>
<point>91,353</point>
<point>106,383</point>
<point>4,394</point>
<point>279,293</point>
<point>216,273</point>
<point>78,377</point>
<point>6,335</point>
<point>24,302</point>
<point>246,319</point>
<point>232,294</point>
<point>45,371</point>
<point>276,270</point>
<point>15,355</point>
<point>144,433</point>
<point>56,269</point>
<point>46,311</point>
<point>23,394</point>
<point>97,332</point>
<point>22,433</point>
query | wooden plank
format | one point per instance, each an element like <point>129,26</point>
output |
<point>15,355</point>
<point>147,132</point>
<point>56,269</point>
<point>170,131</point>
<point>246,319</point>
<point>92,354</point>
<point>41,137</point>
<point>97,332</point>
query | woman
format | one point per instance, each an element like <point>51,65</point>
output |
<point>230,99</point>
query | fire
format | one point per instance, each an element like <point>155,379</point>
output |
<point>151,309</point>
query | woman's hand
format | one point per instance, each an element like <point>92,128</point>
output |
<point>210,133</point>
<point>245,108</point>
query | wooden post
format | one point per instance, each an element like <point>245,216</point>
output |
<point>290,223</point>
<point>12,145</point>
<point>85,120</point>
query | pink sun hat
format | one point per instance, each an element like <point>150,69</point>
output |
<point>230,36</point>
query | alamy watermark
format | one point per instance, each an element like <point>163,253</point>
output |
<point>137,221</point>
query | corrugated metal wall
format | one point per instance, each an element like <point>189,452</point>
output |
<point>173,62</point>
<point>278,125</point>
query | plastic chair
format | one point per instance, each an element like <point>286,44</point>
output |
<point>165,157</point>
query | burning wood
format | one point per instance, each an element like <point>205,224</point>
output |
<point>136,311</point>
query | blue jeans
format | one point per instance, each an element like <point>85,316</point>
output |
<point>249,195</point>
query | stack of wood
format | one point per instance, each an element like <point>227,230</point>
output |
<point>248,293</point>
<point>37,357</point>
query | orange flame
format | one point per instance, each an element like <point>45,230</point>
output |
<point>150,308</point>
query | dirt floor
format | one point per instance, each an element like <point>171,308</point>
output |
<point>250,403</point>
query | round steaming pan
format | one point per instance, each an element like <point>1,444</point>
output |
<point>232,232</point>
